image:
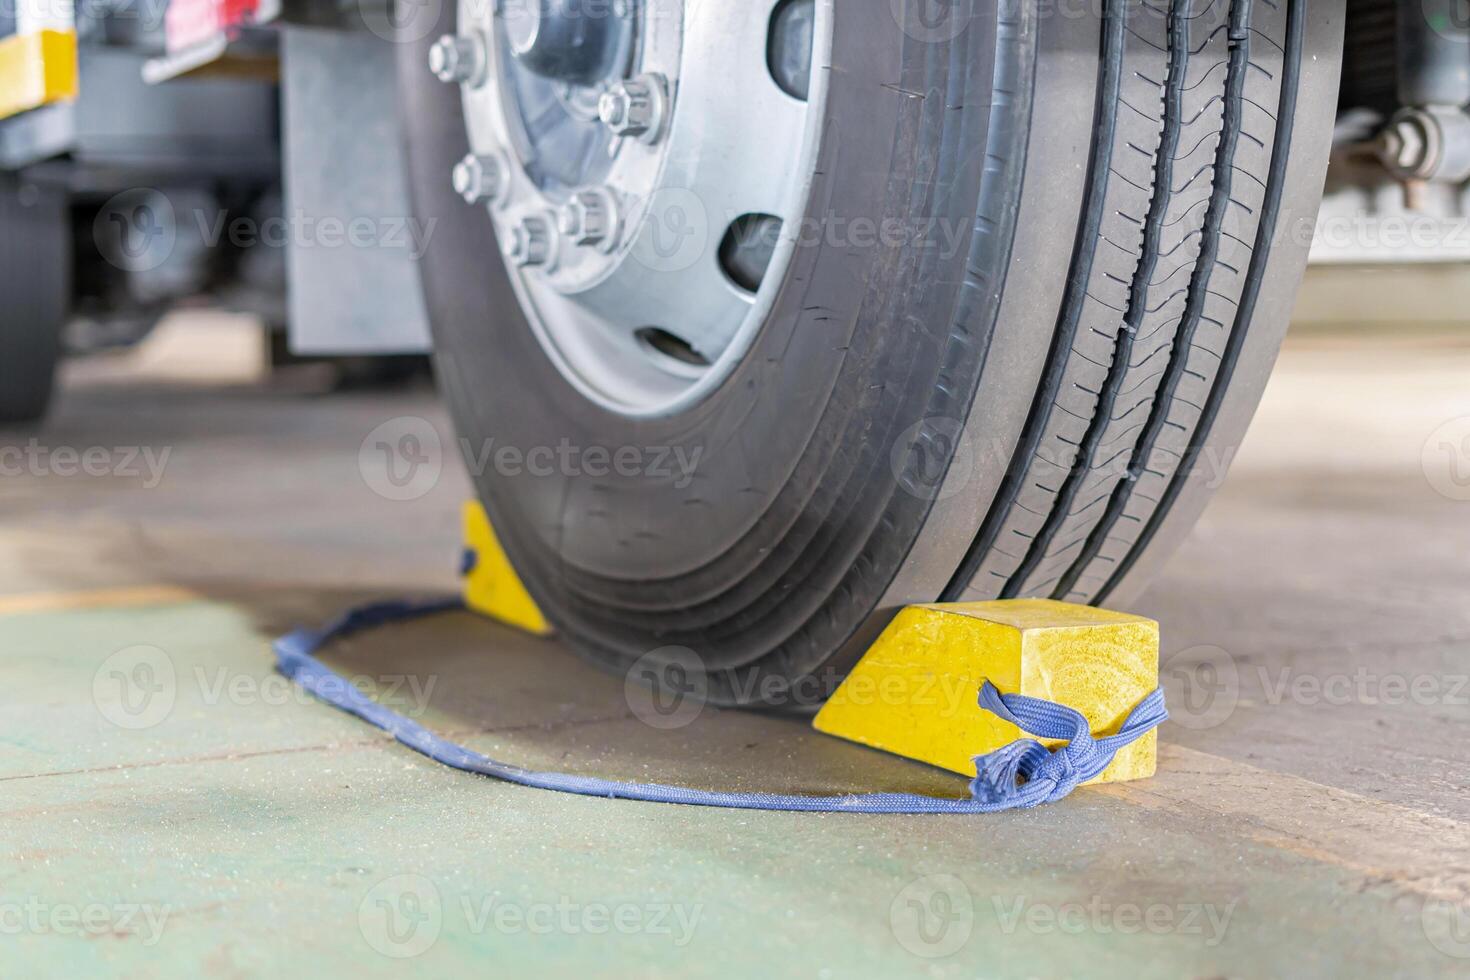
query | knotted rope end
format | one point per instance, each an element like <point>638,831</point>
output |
<point>1026,773</point>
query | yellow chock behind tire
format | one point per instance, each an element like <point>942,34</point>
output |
<point>491,585</point>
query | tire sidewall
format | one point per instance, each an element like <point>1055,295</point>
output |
<point>859,350</point>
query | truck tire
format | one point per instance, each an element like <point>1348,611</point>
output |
<point>35,283</point>
<point>1041,413</point>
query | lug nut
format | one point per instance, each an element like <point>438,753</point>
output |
<point>480,178</point>
<point>590,218</point>
<point>458,59</point>
<point>531,242</point>
<point>636,107</point>
<point>1405,145</point>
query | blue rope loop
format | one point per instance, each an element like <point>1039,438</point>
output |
<point>1024,774</point>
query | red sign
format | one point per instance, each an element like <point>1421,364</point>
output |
<point>188,23</point>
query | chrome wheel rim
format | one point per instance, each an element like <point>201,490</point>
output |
<point>649,207</point>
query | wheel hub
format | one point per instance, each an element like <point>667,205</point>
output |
<point>646,166</point>
<point>557,39</point>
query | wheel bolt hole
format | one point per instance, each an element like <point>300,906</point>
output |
<point>672,346</point>
<point>747,249</point>
<point>789,46</point>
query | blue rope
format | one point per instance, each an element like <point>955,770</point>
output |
<point>1022,775</point>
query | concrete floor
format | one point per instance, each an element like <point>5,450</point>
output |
<point>1311,816</point>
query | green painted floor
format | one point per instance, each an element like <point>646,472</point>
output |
<point>168,806</point>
